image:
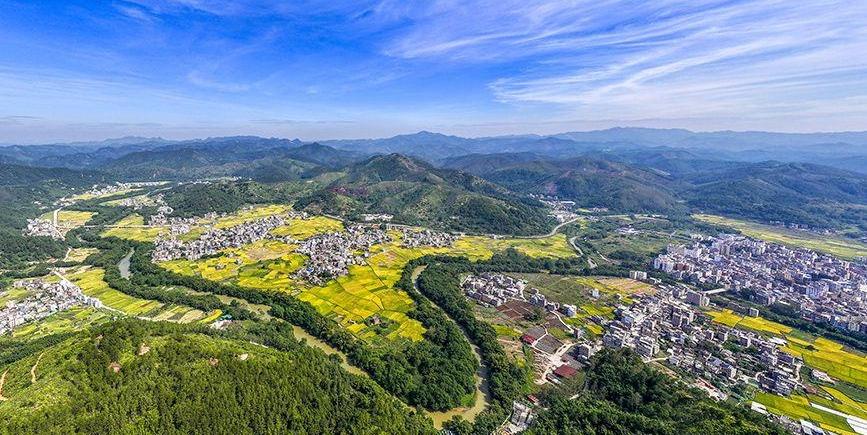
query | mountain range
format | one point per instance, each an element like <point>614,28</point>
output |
<point>470,183</point>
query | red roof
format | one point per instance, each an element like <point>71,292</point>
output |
<point>565,371</point>
<point>529,339</point>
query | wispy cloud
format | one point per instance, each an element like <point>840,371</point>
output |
<point>601,59</point>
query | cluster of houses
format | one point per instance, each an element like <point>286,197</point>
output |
<point>44,299</point>
<point>823,288</point>
<point>42,228</point>
<point>377,217</point>
<point>665,327</point>
<point>419,238</point>
<point>331,254</point>
<point>562,211</point>
<point>215,240</point>
<point>493,289</point>
<point>141,201</point>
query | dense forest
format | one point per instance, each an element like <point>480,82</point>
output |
<point>434,373</point>
<point>189,380</point>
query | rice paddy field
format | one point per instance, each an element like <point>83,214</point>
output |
<point>133,227</point>
<point>366,291</point>
<point>13,294</point>
<point>835,245</point>
<point>92,284</point>
<point>832,358</point>
<point>89,196</point>
<point>144,200</point>
<point>80,254</point>
<point>802,408</point>
<point>71,320</point>
<point>480,247</point>
<point>848,368</point>
<point>757,324</point>
<point>68,219</point>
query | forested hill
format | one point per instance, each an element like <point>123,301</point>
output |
<point>157,378</point>
<point>590,182</point>
<point>801,193</point>
<point>20,175</point>
<point>22,190</point>
<point>417,193</point>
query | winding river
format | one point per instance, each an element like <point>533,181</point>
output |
<point>482,394</point>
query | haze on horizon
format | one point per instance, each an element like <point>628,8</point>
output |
<point>83,70</point>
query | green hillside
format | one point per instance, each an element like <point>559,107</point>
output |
<point>160,378</point>
<point>587,181</point>
<point>417,193</point>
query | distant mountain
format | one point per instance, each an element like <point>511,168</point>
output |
<point>587,181</point>
<point>424,144</point>
<point>265,160</point>
<point>802,193</point>
<point>828,148</point>
<point>28,176</point>
<point>417,193</point>
<point>484,163</point>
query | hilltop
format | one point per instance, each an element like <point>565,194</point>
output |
<point>416,192</point>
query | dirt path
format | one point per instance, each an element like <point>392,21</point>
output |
<point>33,369</point>
<point>3,381</point>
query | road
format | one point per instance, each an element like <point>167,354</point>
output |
<point>553,231</point>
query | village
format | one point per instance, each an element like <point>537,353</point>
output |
<point>556,358</point>
<point>215,240</point>
<point>825,289</point>
<point>43,299</point>
<point>331,254</point>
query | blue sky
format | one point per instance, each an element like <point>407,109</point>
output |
<point>89,69</point>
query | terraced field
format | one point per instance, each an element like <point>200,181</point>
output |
<point>92,284</point>
<point>366,291</point>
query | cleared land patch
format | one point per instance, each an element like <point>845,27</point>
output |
<point>80,254</point>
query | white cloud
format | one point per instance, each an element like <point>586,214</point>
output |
<point>618,59</point>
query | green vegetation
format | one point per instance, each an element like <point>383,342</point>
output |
<point>623,395</point>
<point>808,194</point>
<point>835,245</point>
<point>799,407</point>
<point>157,378</point>
<point>418,194</point>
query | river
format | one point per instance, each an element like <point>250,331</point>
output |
<point>482,394</point>
<point>123,265</point>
